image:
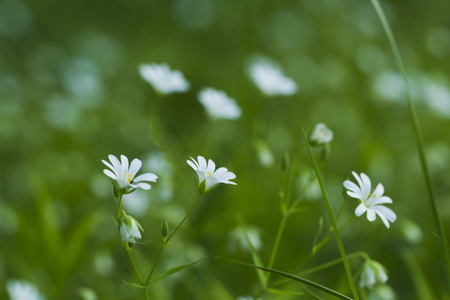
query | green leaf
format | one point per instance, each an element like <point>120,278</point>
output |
<point>173,271</point>
<point>290,276</point>
<point>280,292</point>
<point>134,284</point>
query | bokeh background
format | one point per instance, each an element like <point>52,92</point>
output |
<point>70,94</point>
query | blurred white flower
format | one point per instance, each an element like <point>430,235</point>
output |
<point>207,175</point>
<point>124,178</point>
<point>370,201</point>
<point>129,228</point>
<point>321,135</point>
<point>164,80</point>
<point>218,105</point>
<point>246,298</point>
<point>22,290</point>
<point>265,155</point>
<point>237,239</point>
<point>372,272</point>
<point>268,77</point>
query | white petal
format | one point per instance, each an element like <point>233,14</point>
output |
<point>384,219</point>
<point>352,187</point>
<point>366,187</point>
<point>136,164</point>
<point>371,216</point>
<point>355,195</point>
<point>387,212</point>
<point>360,210</point>
<point>193,164</point>
<point>111,167</point>
<point>124,160</point>
<point>211,167</point>
<point>379,190</point>
<point>110,174</point>
<point>146,177</point>
<point>143,185</point>
<point>220,171</point>
<point>116,163</point>
<point>201,163</point>
<point>381,200</point>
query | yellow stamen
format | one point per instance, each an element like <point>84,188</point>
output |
<point>209,173</point>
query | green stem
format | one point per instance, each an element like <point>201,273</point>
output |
<point>333,223</point>
<point>166,242</point>
<point>136,272</point>
<point>119,200</point>
<point>416,126</point>
<point>276,244</point>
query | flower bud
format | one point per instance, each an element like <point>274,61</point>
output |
<point>372,272</point>
<point>164,230</point>
<point>129,229</point>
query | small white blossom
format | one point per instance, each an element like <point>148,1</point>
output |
<point>124,178</point>
<point>370,201</point>
<point>207,175</point>
<point>22,290</point>
<point>129,228</point>
<point>268,77</point>
<point>164,80</point>
<point>372,272</point>
<point>218,105</point>
<point>321,135</point>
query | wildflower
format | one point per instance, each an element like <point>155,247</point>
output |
<point>22,290</point>
<point>164,80</point>
<point>372,272</point>
<point>129,228</point>
<point>321,135</point>
<point>218,105</point>
<point>207,175</point>
<point>270,80</point>
<point>370,201</point>
<point>124,179</point>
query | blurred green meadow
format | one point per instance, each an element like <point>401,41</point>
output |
<point>71,94</point>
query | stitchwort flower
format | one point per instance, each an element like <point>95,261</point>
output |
<point>372,272</point>
<point>22,290</point>
<point>321,135</point>
<point>207,176</point>
<point>269,78</point>
<point>123,176</point>
<point>164,80</point>
<point>370,201</point>
<point>218,105</point>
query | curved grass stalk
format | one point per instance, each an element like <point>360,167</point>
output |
<point>333,223</point>
<point>417,131</point>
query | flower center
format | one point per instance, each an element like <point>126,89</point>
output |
<point>208,173</point>
<point>127,177</point>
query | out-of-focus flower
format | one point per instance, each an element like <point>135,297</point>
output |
<point>124,179</point>
<point>164,80</point>
<point>321,135</point>
<point>246,298</point>
<point>207,176</point>
<point>237,239</point>
<point>264,153</point>
<point>129,228</point>
<point>372,272</point>
<point>370,201</point>
<point>218,105</point>
<point>22,290</point>
<point>268,77</point>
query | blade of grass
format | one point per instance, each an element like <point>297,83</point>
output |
<point>416,126</point>
<point>333,223</point>
<point>290,276</point>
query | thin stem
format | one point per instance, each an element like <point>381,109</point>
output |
<point>416,126</point>
<point>119,200</point>
<point>166,242</point>
<point>333,223</point>
<point>136,272</point>
<point>276,244</point>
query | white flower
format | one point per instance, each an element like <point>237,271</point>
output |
<point>270,80</point>
<point>22,290</point>
<point>218,105</point>
<point>321,135</point>
<point>164,80</point>
<point>124,178</point>
<point>129,228</point>
<point>372,272</point>
<point>370,201</point>
<point>207,175</point>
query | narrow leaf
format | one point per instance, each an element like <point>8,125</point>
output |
<point>280,292</point>
<point>134,284</point>
<point>172,271</point>
<point>290,276</point>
